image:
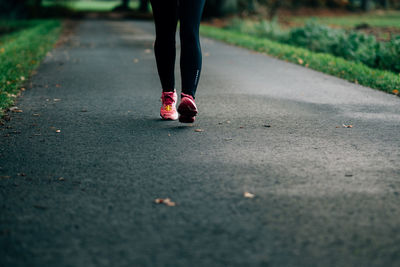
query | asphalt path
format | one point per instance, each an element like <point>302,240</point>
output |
<point>83,162</point>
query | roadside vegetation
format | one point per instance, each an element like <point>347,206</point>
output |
<point>23,44</point>
<point>348,44</point>
<point>89,6</point>
<point>354,71</point>
<point>377,19</point>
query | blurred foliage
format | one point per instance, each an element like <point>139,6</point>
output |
<point>381,19</point>
<point>271,7</point>
<point>348,44</point>
<point>28,8</point>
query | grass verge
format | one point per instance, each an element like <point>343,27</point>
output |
<point>355,72</point>
<point>387,19</point>
<point>21,52</point>
<point>90,5</point>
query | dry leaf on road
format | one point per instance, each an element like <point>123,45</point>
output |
<point>199,130</point>
<point>248,195</point>
<point>15,109</point>
<point>166,201</point>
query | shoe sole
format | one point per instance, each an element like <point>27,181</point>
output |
<point>168,119</point>
<point>186,119</point>
<point>187,111</point>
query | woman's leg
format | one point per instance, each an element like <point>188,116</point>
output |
<point>165,14</point>
<point>190,13</point>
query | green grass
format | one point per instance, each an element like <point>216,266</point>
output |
<point>355,72</point>
<point>389,19</point>
<point>21,52</point>
<point>88,5</point>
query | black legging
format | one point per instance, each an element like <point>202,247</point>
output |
<point>166,15</point>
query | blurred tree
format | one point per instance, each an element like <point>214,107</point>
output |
<point>13,9</point>
<point>366,5</point>
<point>144,6</point>
<point>123,6</point>
<point>385,3</point>
<point>220,7</point>
<point>37,5</point>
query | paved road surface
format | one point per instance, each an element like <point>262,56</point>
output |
<point>325,196</point>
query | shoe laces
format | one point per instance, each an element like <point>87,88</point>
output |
<point>168,98</point>
<point>186,95</point>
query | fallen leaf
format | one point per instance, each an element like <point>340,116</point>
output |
<point>248,195</point>
<point>58,131</point>
<point>36,114</point>
<point>395,91</point>
<point>347,126</point>
<point>22,78</point>
<point>23,89</point>
<point>56,99</point>
<point>2,50</point>
<point>300,61</point>
<point>228,122</point>
<point>199,130</point>
<point>61,179</point>
<point>165,201</point>
<point>15,109</point>
<point>169,203</point>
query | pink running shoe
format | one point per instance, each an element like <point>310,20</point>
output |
<point>168,108</point>
<point>187,109</point>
